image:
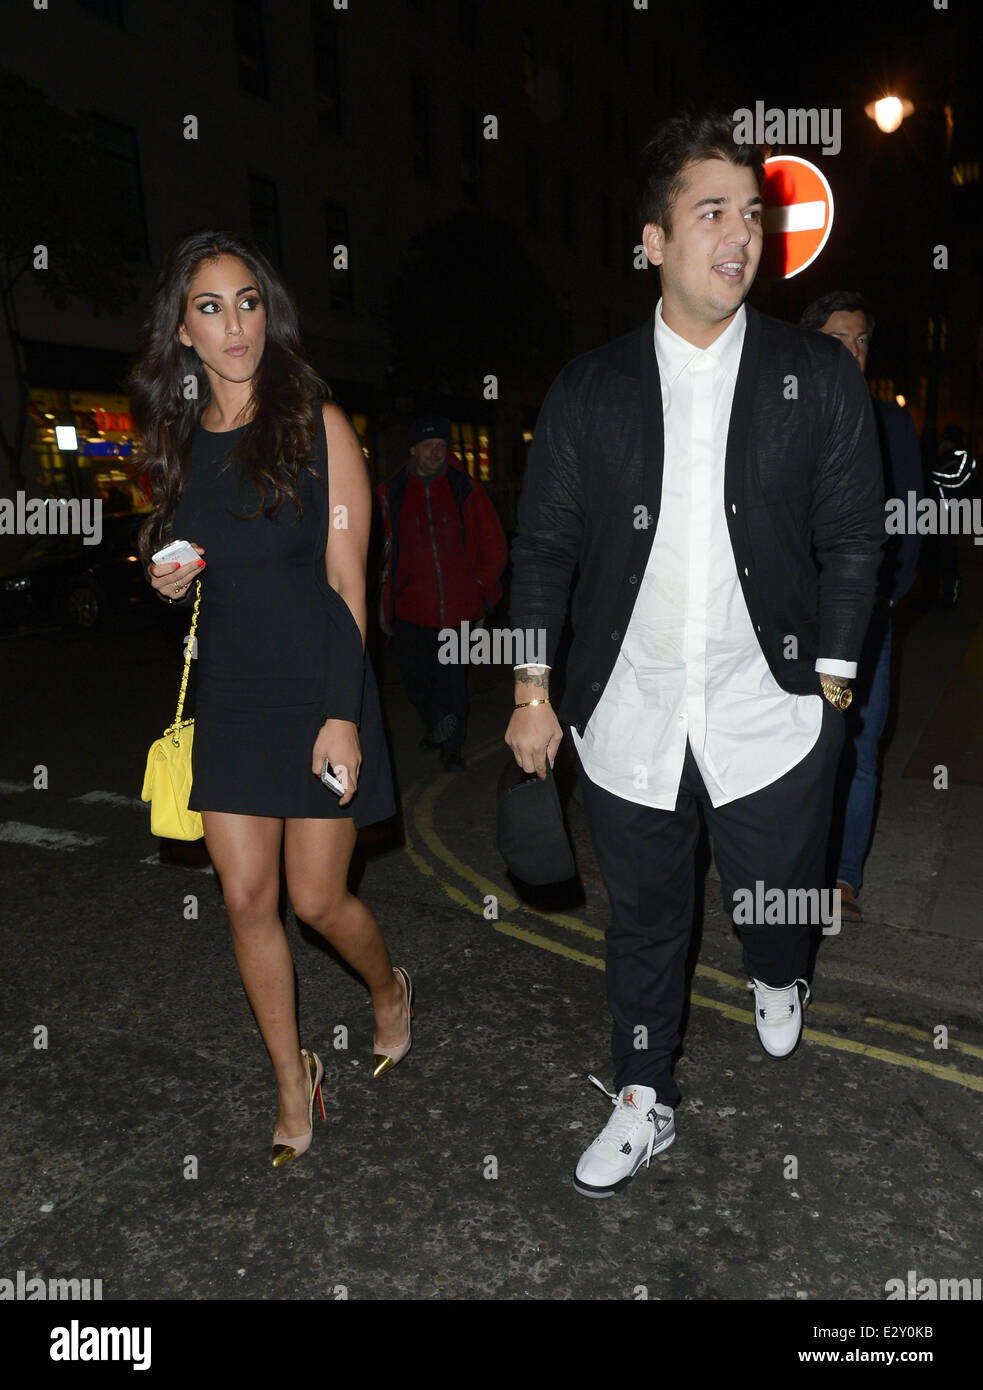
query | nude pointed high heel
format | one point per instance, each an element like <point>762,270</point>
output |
<point>385,1058</point>
<point>284,1148</point>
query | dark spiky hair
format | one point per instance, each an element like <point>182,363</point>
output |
<point>681,140</point>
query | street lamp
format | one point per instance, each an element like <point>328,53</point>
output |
<point>888,112</point>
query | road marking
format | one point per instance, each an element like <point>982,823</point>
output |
<point>131,803</point>
<point>16,833</point>
<point>485,886</point>
<point>156,860</point>
<point>908,1030</point>
<point>423,820</point>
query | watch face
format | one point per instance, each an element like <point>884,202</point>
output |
<point>845,697</point>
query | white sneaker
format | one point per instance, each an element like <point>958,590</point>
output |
<point>778,1016</point>
<point>637,1129</point>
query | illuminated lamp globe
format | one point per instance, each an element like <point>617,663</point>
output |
<point>889,112</point>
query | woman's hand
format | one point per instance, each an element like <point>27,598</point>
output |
<point>337,740</point>
<point>172,581</point>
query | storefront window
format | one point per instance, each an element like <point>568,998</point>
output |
<point>103,465</point>
<point>472,445</point>
<point>361,426</point>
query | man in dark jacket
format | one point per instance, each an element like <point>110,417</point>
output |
<point>446,551</point>
<point>846,315</point>
<point>949,478</point>
<point>715,476</point>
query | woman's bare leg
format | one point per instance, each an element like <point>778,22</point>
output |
<point>246,853</point>
<point>317,854</point>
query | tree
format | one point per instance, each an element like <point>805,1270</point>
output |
<point>57,194</point>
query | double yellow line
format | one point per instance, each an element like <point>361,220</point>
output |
<point>420,803</point>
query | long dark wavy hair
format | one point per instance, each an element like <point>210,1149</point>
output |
<point>286,390</point>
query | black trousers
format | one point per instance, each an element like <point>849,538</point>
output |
<point>773,839</point>
<point>438,693</point>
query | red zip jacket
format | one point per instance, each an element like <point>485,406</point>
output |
<point>447,550</point>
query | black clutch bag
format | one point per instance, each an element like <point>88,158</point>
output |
<point>531,836</point>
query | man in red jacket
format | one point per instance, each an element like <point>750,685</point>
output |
<point>446,552</point>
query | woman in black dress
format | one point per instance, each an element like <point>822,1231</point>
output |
<point>269,484</point>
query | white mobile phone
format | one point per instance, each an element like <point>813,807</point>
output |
<point>330,780</point>
<point>177,553</point>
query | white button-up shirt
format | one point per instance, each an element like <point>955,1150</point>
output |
<point>690,665</point>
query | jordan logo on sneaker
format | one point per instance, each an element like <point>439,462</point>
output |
<point>630,1100</point>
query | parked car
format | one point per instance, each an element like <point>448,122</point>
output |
<point>59,579</point>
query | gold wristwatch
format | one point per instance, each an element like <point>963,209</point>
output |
<point>838,695</point>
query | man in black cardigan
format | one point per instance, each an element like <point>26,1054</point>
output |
<point>715,476</point>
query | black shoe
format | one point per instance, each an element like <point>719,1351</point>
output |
<point>453,762</point>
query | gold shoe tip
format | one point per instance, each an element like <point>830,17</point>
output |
<point>283,1153</point>
<point>381,1063</point>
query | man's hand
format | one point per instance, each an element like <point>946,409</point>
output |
<point>534,733</point>
<point>832,688</point>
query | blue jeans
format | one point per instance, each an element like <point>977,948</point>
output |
<point>856,791</point>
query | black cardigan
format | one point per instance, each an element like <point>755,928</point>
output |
<point>803,494</point>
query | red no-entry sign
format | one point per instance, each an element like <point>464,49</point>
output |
<point>798,213</point>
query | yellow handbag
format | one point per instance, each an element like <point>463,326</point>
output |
<point>167,780</point>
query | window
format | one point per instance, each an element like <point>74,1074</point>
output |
<point>532,188</point>
<point>967,171</point>
<point>607,121</point>
<point>470,150</point>
<point>120,144</point>
<point>250,47</point>
<point>109,10</point>
<point>630,238</point>
<point>529,65</point>
<point>566,206</point>
<point>264,217</point>
<point>339,280</point>
<point>630,139</point>
<point>327,85</point>
<point>471,444</point>
<point>360,424</point>
<point>467,22</point>
<point>606,238</point>
<point>627,46</point>
<point>420,124</point>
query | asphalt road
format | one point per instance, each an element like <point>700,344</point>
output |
<point>140,1101</point>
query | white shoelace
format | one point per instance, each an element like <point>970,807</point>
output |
<point>777,1005</point>
<point>622,1125</point>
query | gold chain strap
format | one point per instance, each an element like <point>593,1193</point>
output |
<point>177,725</point>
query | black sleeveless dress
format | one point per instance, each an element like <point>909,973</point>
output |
<point>279,651</point>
